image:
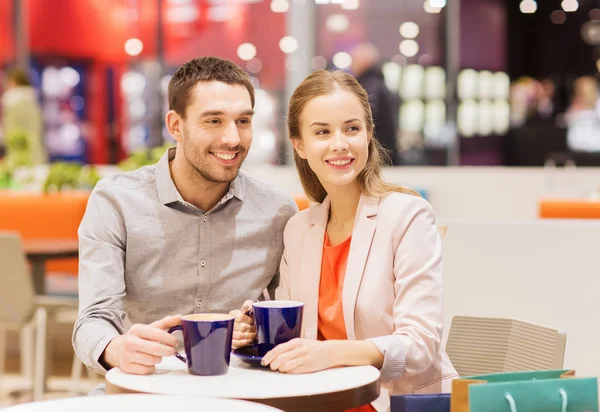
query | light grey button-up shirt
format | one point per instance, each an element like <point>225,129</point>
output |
<point>145,253</point>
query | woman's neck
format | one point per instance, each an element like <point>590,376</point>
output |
<point>342,211</point>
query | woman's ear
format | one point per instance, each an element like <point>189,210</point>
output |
<point>299,147</point>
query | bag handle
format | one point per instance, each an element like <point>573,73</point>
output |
<point>561,391</point>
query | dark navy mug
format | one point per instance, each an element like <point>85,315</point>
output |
<point>277,321</point>
<point>207,340</point>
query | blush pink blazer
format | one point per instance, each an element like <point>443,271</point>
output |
<point>392,293</point>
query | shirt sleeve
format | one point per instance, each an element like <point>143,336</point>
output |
<point>102,240</point>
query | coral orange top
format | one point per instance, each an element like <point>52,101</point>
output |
<point>331,313</point>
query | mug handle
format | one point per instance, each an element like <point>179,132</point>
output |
<point>177,354</point>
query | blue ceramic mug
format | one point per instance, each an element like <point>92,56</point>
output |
<point>277,321</point>
<point>207,340</point>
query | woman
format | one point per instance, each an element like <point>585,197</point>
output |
<point>367,260</point>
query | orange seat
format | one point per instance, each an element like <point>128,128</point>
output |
<point>40,216</point>
<point>569,209</point>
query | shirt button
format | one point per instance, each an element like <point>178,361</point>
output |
<point>203,263</point>
<point>205,218</point>
<point>199,304</point>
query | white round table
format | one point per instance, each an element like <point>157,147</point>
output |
<point>333,389</point>
<point>145,403</point>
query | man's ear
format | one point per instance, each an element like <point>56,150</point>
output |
<point>174,124</point>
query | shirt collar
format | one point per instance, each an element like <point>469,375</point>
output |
<point>167,192</point>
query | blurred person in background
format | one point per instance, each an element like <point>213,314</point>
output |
<point>384,104</point>
<point>583,117</point>
<point>546,104</point>
<point>22,116</point>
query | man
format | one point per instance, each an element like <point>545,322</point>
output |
<point>191,234</point>
<point>384,104</point>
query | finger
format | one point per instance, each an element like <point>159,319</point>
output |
<point>293,366</point>
<point>249,320</point>
<point>167,322</point>
<point>237,335</point>
<point>155,334</point>
<point>137,344</point>
<point>241,343</point>
<point>277,351</point>
<point>282,359</point>
<point>144,359</point>
<point>243,327</point>
<point>247,306</point>
<point>137,369</point>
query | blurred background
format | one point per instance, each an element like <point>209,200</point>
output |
<point>489,108</point>
<point>475,82</point>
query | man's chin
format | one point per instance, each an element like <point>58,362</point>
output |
<point>223,177</point>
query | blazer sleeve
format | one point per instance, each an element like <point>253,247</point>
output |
<point>418,304</point>
<point>283,290</point>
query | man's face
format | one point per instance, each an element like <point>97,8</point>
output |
<point>216,131</point>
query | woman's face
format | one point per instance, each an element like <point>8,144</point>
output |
<point>334,138</point>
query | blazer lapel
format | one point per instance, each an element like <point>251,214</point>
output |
<point>360,246</point>
<point>310,277</point>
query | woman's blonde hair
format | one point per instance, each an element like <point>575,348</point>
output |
<point>320,83</point>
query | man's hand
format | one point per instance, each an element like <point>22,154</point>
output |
<point>244,331</point>
<point>142,347</point>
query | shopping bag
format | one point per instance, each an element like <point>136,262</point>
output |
<point>525,390</point>
<point>421,403</point>
<point>549,395</point>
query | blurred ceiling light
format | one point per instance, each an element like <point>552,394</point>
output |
<point>280,6</point>
<point>246,51</point>
<point>558,17</point>
<point>182,13</point>
<point>337,23</point>
<point>528,6</point>
<point>342,60</point>
<point>570,5</point>
<point>438,4</point>
<point>134,47</point>
<point>336,1</point>
<point>220,13</point>
<point>430,9</point>
<point>590,32</point>
<point>409,48</point>
<point>133,83</point>
<point>69,76</point>
<point>288,44</point>
<point>350,4</point>
<point>254,66</point>
<point>409,30</point>
<point>322,1</point>
<point>319,63</point>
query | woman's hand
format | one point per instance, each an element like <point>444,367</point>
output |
<point>301,356</point>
